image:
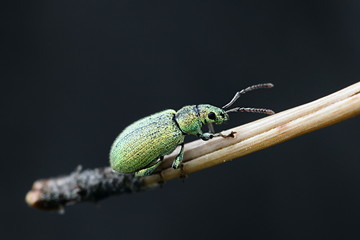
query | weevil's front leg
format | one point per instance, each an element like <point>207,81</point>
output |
<point>207,136</point>
<point>211,127</point>
<point>178,160</point>
<point>147,171</point>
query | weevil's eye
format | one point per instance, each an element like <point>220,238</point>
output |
<point>211,116</point>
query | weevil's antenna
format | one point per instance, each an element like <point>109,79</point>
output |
<point>251,110</point>
<point>248,89</point>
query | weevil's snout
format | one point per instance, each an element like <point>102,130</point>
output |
<point>218,116</point>
<point>212,114</point>
<point>222,117</point>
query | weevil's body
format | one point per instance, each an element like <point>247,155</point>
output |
<point>145,141</point>
<point>142,145</point>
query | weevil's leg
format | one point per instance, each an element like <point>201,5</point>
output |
<point>211,127</point>
<point>183,175</point>
<point>178,160</point>
<point>148,170</point>
<point>207,136</point>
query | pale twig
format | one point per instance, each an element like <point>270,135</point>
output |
<point>251,137</point>
<point>264,133</point>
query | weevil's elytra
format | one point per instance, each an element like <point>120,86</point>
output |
<point>142,145</point>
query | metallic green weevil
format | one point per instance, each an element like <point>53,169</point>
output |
<point>142,145</point>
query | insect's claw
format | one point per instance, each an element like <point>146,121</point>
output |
<point>231,134</point>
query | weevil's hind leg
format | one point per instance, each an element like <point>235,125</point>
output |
<point>147,171</point>
<point>178,160</point>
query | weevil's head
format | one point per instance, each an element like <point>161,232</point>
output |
<point>211,114</point>
<point>191,118</point>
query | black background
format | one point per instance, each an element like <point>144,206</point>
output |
<point>75,73</point>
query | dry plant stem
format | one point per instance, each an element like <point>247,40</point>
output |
<point>79,186</point>
<point>95,184</point>
<point>264,133</point>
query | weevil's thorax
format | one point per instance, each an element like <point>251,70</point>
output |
<point>190,119</point>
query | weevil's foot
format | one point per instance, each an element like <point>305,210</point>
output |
<point>183,174</point>
<point>232,135</point>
